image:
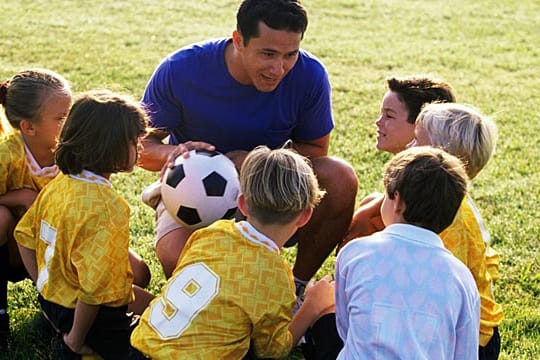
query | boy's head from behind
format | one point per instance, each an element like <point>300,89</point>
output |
<point>278,185</point>
<point>424,187</point>
<point>461,130</point>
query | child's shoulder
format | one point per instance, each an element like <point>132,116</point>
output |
<point>12,142</point>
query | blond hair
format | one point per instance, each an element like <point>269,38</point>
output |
<point>462,131</point>
<point>278,184</point>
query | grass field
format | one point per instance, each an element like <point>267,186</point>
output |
<point>488,50</point>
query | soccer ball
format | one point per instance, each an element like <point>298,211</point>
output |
<point>201,189</point>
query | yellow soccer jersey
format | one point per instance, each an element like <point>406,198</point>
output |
<point>5,127</point>
<point>19,169</point>
<point>230,287</point>
<point>78,227</point>
<point>468,240</point>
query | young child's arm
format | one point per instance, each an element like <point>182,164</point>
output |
<point>367,219</point>
<point>28,257</point>
<point>142,300</point>
<point>21,197</point>
<point>85,314</point>
<point>319,300</point>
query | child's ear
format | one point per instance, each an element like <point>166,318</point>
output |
<point>242,204</point>
<point>304,217</point>
<point>399,205</point>
<point>27,127</point>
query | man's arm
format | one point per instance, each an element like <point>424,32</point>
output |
<point>309,149</point>
<point>313,149</point>
<point>155,152</point>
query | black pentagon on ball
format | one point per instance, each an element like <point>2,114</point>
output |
<point>207,153</point>
<point>176,174</point>
<point>214,184</point>
<point>188,215</point>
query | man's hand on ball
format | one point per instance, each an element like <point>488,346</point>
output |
<point>183,150</point>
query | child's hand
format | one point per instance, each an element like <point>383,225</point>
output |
<point>75,346</point>
<point>320,296</point>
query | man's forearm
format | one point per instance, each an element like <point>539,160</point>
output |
<point>154,155</point>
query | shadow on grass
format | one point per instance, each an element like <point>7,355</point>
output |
<point>35,339</point>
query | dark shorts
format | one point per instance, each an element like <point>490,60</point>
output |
<point>109,334</point>
<point>492,349</point>
<point>322,340</point>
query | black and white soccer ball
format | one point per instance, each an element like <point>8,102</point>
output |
<point>201,189</point>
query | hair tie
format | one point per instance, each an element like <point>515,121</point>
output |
<point>3,92</point>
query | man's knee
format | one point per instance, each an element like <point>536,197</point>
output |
<point>169,248</point>
<point>339,180</point>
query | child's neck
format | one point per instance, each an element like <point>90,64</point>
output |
<point>43,156</point>
<point>278,233</point>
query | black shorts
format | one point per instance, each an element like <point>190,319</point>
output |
<point>492,348</point>
<point>109,334</point>
<point>322,340</point>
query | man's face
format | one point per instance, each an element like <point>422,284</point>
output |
<point>268,58</point>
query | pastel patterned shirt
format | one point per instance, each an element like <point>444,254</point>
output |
<point>401,294</point>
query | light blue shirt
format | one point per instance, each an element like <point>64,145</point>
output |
<point>401,295</point>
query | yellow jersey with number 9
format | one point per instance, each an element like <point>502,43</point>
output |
<point>230,288</point>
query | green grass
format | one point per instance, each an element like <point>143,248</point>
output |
<point>488,50</point>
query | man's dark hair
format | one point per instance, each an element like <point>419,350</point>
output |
<point>288,15</point>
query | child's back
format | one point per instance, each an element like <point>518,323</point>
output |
<point>399,291</point>
<point>404,291</point>
<point>225,260</point>
<point>231,292</point>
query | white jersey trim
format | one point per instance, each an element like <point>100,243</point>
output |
<point>249,232</point>
<point>33,166</point>
<point>91,177</point>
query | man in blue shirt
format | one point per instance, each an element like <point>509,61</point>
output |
<point>256,88</point>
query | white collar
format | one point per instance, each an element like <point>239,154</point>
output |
<point>91,177</point>
<point>250,233</point>
<point>33,166</point>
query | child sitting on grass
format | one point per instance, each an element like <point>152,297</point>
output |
<point>399,292</point>
<point>35,103</point>
<point>74,239</point>
<point>466,133</point>
<point>231,294</point>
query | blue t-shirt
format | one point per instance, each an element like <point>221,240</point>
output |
<point>193,96</point>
